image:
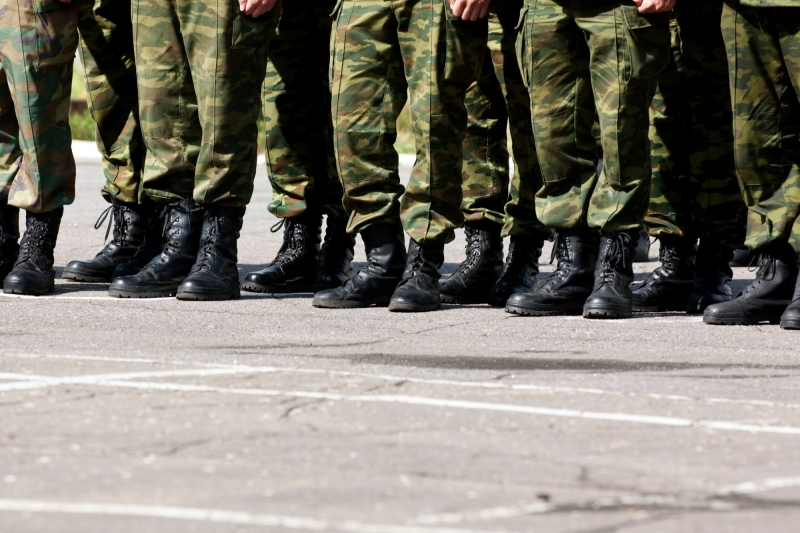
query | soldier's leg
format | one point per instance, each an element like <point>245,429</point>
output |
<point>107,55</point>
<point>171,130</point>
<point>718,211</point>
<point>10,153</point>
<point>300,158</point>
<point>37,58</point>
<point>669,213</point>
<point>764,67</point>
<point>554,60</point>
<point>369,90</point>
<point>438,80</point>
<point>484,184</point>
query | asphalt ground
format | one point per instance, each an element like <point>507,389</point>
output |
<point>265,414</point>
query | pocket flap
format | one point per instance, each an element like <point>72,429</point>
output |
<point>636,20</point>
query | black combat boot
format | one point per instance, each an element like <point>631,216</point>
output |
<point>418,290</point>
<point>130,222</point>
<point>294,269</point>
<point>669,286</point>
<point>336,256</point>
<point>767,297</point>
<point>215,275</point>
<point>33,273</point>
<point>612,296</point>
<point>712,275</point>
<point>151,247</point>
<point>566,289</point>
<point>9,238</point>
<point>472,281</point>
<point>742,258</point>
<point>520,271</point>
<point>161,276</point>
<point>791,316</point>
<point>375,283</point>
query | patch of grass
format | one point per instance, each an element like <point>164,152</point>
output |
<point>405,136</point>
<point>82,126</point>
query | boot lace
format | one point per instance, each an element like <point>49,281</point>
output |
<point>207,243</point>
<point>560,251</point>
<point>615,257</point>
<point>31,245</point>
<point>416,263</point>
<point>518,252</point>
<point>115,214</point>
<point>473,249</point>
<point>292,241</point>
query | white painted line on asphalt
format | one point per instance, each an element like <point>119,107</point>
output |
<point>215,515</point>
<point>764,485</point>
<point>424,381</point>
<point>482,515</point>
<point>464,404</point>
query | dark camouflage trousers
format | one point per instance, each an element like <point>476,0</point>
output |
<point>694,190</point>
<point>297,113</point>
<point>382,51</point>
<point>577,57</point>
<point>496,103</point>
<point>764,59</point>
<point>38,39</point>
<point>199,70</point>
<point>107,55</point>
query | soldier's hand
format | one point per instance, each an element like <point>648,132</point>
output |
<point>470,9</point>
<point>256,8</point>
<point>654,6</point>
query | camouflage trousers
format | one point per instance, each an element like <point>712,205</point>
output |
<point>107,55</point>
<point>383,52</point>
<point>38,39</point>
<point>297,104</point>
<point>496,103</point>
<point>577,57</point>
<point>764,60</point>
<point>694,190</point>
<point>199,72</point>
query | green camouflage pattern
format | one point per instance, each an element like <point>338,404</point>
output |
<point>764,63</point>
<point>498,103</point>
<point>199,97</point>
<point>577,57</point>
<point>694,192</point>
<point>38,40</point>
<point>297,103</point>
<point>107,55</point>
<point>382,54</point>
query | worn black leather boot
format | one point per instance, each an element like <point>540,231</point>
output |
<point>33,273</point>
<point>612,296</point>
<point>472,281</point>
<point>151,247</point>
<point>130,222</point>
<point>567,288</point>
<point>791,316</point>
<point>335,256</point>
<point>767,297</point>
<point>418,290</point>
<point>375,283</point>
<point>161,276</point>
<point>520,271</point>
<point>214,275</point>
<point>9,238</point>
<point>669,286</point>
<point>294,269</point>
<point>742,258</point>
<point>712,275</point>
<point>642,254</point>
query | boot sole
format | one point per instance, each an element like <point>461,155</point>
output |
<point>323,303</point>
<point>606,314</point>
<point>26,291</point>
<point>208,297</point>
<point>157,293</point>
<point>399,307</point>
<point>733,321</point>
<point>277,289</point>
<point>790,324</point>
<point>471,300</point>
<point>85,278</point>
<point>524,311</point>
